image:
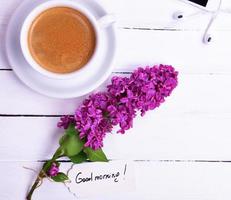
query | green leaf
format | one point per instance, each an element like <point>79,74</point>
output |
<point>59,153</point>
<point>96,156</point>
<point>70,142</point>
<point>62,139</point>
<point>71,130</point>
<point>79,158</point>
<point>60,177</point>
<point>72,145</point>
<point>47,165</point>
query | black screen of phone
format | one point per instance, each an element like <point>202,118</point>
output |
<point>200,2</point>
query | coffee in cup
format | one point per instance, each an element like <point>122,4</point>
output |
<point>64,39</point>
<point>61,40</point>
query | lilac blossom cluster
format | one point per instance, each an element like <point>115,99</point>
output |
<point>54,170</point>
<point>144,90</point>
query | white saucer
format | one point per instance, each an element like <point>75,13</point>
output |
<point>58,88</point>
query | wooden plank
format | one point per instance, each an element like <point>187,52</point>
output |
<point>148,44</point>
<point>181,181</point>
<point>40,104</point>
<point>184,49</point>
<point>154,137</point>
<point>154,14</point>
<point>196,94</point>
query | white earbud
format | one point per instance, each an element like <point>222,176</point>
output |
<point>178,15</point>
<point>207,39</point>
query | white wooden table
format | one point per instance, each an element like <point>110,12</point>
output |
<point>182,150</point>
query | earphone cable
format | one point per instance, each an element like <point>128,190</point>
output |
<point>213,17</point>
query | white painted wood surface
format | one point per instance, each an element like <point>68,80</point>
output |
<point>180,145</point>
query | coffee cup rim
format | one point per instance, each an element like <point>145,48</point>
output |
<point>86,69</point>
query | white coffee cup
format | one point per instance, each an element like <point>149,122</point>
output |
<point>98,24</point>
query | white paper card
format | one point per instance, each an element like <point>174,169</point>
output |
<point>92,179</point>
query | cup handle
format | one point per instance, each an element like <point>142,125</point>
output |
<point>107,20</point>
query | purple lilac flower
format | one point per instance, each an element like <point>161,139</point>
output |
<point>92,121</point>
<point>121,111</point>
<point>65,121</point>
<point>150,86</point>
<point>144,90</point>
<point>54,170</point>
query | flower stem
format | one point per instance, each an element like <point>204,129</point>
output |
<point>34,186</point>
<point>42,173</point>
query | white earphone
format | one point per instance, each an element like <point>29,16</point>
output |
<point>207,37</point>
<point>179,15</point>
